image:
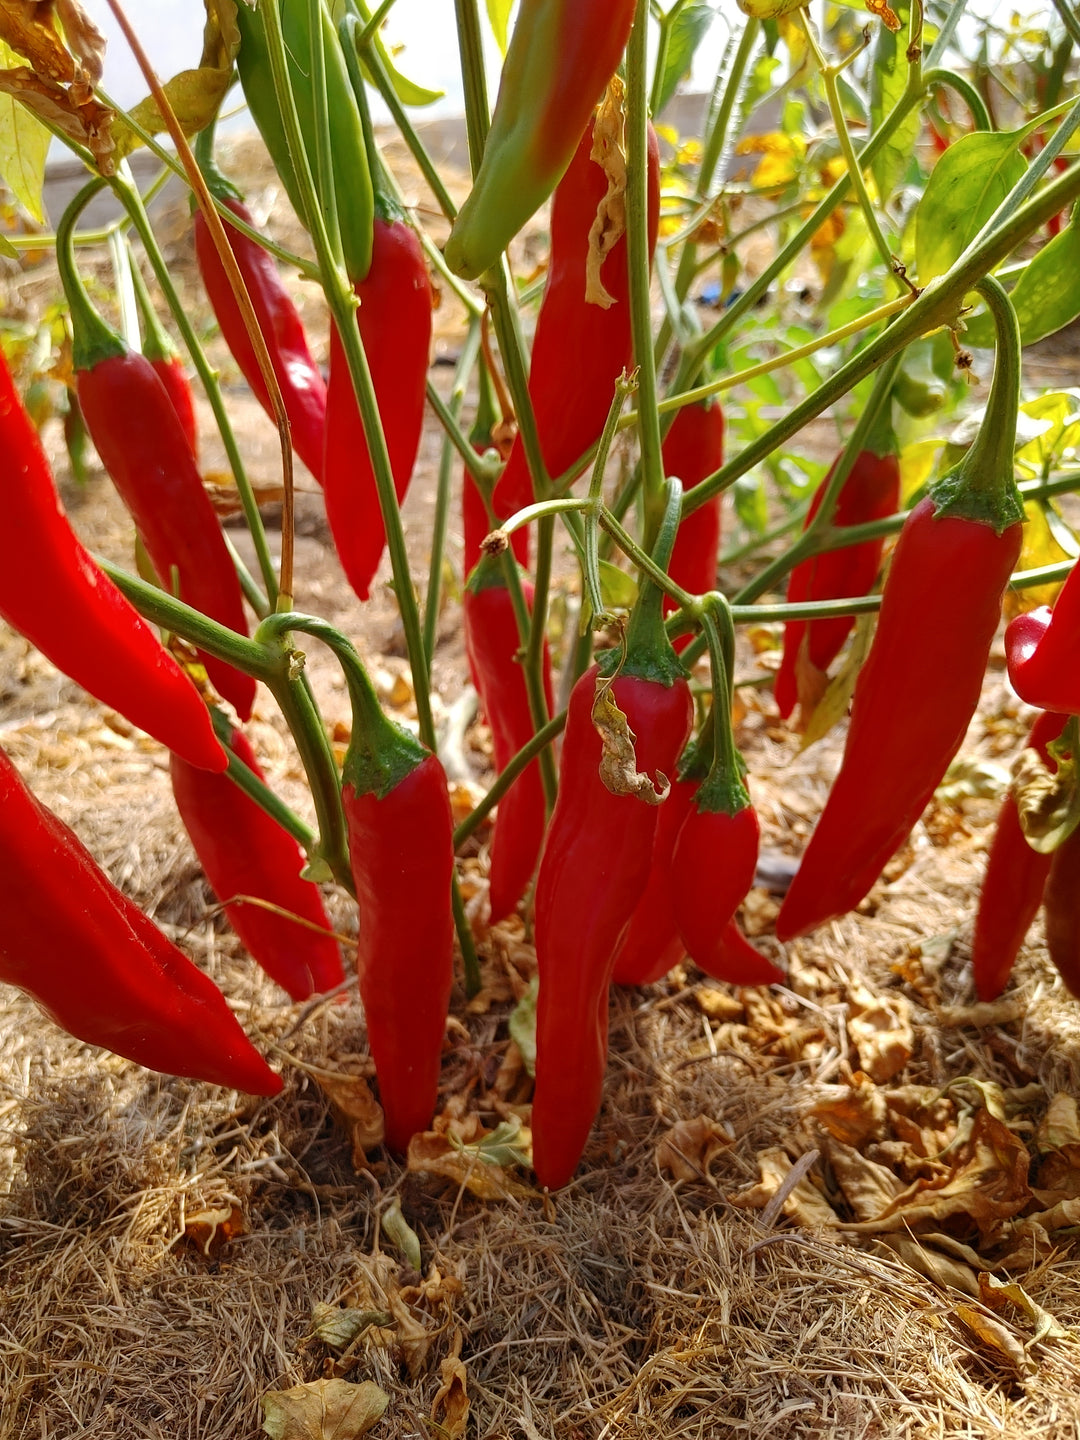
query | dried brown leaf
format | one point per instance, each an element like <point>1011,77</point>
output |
<point>450,1407</point>
<point>880,1029</point>
<point>338,1326</point>
<point>357,1109</point>
<point>852,1113</point>
<point>323,1410</point>
<point>999,1294</point>
<point>433,1153</point>
<point>618,761</point>
<point>212,1229</point>
<point>943,1270</point>
<point>718,1004</point>
<point>868,1188</point>
<point>995,1336</point>
<point>689,1148</point>
<point>805,1204</point>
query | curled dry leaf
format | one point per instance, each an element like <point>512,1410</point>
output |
<point>805,1204</point>
<point>212,1229</point>
<point>618,763</point>
<point>323,1410</point>
<point>689,1148</point>
<point>58,80</point>
<point>852,1113</point>
<point>718,1004</point>
<point>338,1326</point>
<point>981,1017</point>
<point>880,1029</point>
<point>450,1407</point>
<point>398,1230</point>
<point>1000,1294</point>
<point>996,1337</point>
<point>610,223</point>
<point>942,1269</point>
<point>433,1153</point>
<point>867,1187</point>
<point>357,1109</point>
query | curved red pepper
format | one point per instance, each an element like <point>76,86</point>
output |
<point>1042,648</point>
<point>303,390</point>
<point>98,966</point>
<point>594,865</point>
<point>693,450</point>
<point>493,646</point>
<point>1061,903</point>
<point>913,701</point>
<point>170,371</point>
<point>871,492</point>
<point>580,349</point>
<point>713,867</point>
<point>1013,884</point>
<point>395,324</point>
<point>735,961</point>
<point>52,592</point>
<point>244,851</point>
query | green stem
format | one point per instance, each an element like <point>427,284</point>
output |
<point>947,80</point>
<point>156,344</point>
<point>470,963</point>
<point>591,566</point>
<point>323,160</point>
<point>447,418</point>
<point>474,79</point>
<point>258,790</point>
<point>1068,19</point>
<point>804,610</point>
<point>513,768</point>
<point>723,786</point>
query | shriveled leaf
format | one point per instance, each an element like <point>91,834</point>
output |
<point>968,183</point>
<point>943,1270</point>
<point>609,222</point>
<point>869,1188</point>
<point>338,1326</point>
<point>357,1109</point>
<point>434,1154</point>
<point>1000,1294</point>
<point>323,1410</point>
<point>450,1407</point>
<point>398,1229</point>
<point>195,95</point>
<point>972,777</point>
<point>522,1025</point>
<point>85,122</point>
<point>618,763</point>
<point>880,1028</point>
<point>995,1336</point>
<point>884,12</point>
<point>833,705</point>
<point>803,1204</point>
<point>689,1148</point>
<point>508,1144</point>
<point>982,1016</point>
<point>853,1113</point>
<point>718,1004</point>
<point>1060,1126</point>
<point>213,1228</point>
<point>685,34</point>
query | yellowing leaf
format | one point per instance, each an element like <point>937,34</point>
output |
<point>24,144</point>
<point>323,1410</point>
<point>499,16</point>
<point>1040,547</point>
<point>195,95</point>
<point>450,1408</point>
<point>917,463</point>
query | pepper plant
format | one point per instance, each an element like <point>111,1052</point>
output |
<point>905,214</point>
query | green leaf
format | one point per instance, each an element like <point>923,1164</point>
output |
<point>1046,297</point>
<point>888,80</point>
<point>751,505</point>
<point>522,1026</point>
<point>406,90</point>
<point>499,16</point>
<point>398,1229</point>
<point>688,29</point>
<point>7,249</point>
<point>967,185</point>
<point>24,144</point>
<point>619,590</point>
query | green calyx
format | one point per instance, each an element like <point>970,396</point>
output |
<point>487,574</point>
<point>381,753</point>
<point>649,653</point>
<point>156,343</point>
<point>982,487</point>
<point>92,339</point>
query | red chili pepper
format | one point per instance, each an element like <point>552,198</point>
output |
<point>169,368</point>
<point>693,450</point>
<point>402,854</point>
<point>580,348</point>
<point>913,701</point>
<point>303,390</point>
<point>244,851</point>
<point>560,58</point>
<point>735,961</point>
<point>1013,884</point>
<point>98,966</point>
<point>395,324</point>
<point>713,867</point>
<point>1061,901</point>
<point>142,445</point>
<point>493,644</point>
<point>871,492</point>
<point>1043,651</point>
<point>52,592</point>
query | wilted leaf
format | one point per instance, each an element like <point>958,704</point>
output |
<point>689,1148</point>
<point>971,777</point>
<point>881,1032</point>
<point>212,1229</point>
<point>398,1229</point>
<point>195,96</point>
<point>358,1110</point>
<point>508,1144</point>
<point>868,1188</point>
<point>56,84</point>
<point>450,1407</point>
<point>943,1270</point>
<point>852,1113</point>
<point>981,1017</point>
<point>323,1410</point>
<point>997,1294</point>
<point>996,1337</point>
<point>718,1004</point>
<point>1060,1126</point>
<point>338,1326</point>
<point>434,1154</point>
<point>618,763</point>
<point>833,705</point>
<point>805,1204</point>
<point>522,1025</point>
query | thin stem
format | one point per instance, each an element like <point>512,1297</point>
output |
<point>258,790</point>
<point>507,775</point>
<point>591,566</point>
<point>447,418</point>
<point>948,80</point>
<point>1068,19</point>
<point>470,963</point>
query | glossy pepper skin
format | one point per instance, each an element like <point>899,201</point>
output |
<point>694,449</point>
<point>353,194</point>
<point>1042,648</point>
<point>244,851</point>
<point>871,492</point>
<point>142,445</point>
<point>580,348</point>
<point>303,390</point>
<point>913,701</point>
<point>1013,883</point>
<point>493,646</point>
<point>561,56</point>
<point>395,324</point>
<point>401,850</point>
<point>1061,903</point>
<point>95,963</point>
<point>713,864</point>
<point>52,592</point>
<point>170,371</point>
<point>594,866</point>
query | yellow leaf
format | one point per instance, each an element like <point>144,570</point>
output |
<point>323,1410</point>
<point>1040,547</point>
<point>24,144</point>
<point>917,462</point>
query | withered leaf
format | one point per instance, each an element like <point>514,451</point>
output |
<point>609,223</point>
<point>689,1148</point>
<point>433,1153</point>
<point>997,1294</point>
<point>852,1113</point>
<point>57,81</point>
<point>995,1336</point>
<point>942,1269</point>
<point>805,1205</point>
<point>194,95</point>
<point>338,1326</point>
<point>885,13</point>
<point>868,1188</point>
<point>401,1233</point>
<point>1060,1126</point>
<point>450,1407</point>
<point>213,1228</point>
<point>358,1110</point>
<point>323,1410</point>
<point>618,762</point>
<point>880,1029</point>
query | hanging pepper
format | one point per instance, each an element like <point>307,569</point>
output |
<point>353,197</point>
<point>493,646</point>
<point>401,849</point>
<point>595,862</point>
<point>919,687</point>
<point>1043,651</point>
<point>870,492</point>
<point>694,449</point>
<point>1013,883</point>
<point>395,325</point>
<point>1061,902</point>
<point>561,56</point>
<point>571,400</point>
<point>143,447</point>
<point>95,963</point>
<point>244,851</point>
<point>169,368</point>
<point>303,390</point>
<point>52,592</point>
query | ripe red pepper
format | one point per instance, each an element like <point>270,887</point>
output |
<point>493,646</point>
<point>395,324</point>
<point>143,447</point>
<point>870,492</point>
<point>594,866</point>
<point>561,56</point>
<point>580,348</point>
<point>245,851</point>
<point>913,701</point>
<point>1043,651</point>
<point>713,867</point>
<point>1061,902</point>
<point>52,592</point>
<point>303,390</point>
<point>95,963</point>
<point>693,450</point>
<point>737,962</point>
<point>1013,883</point>
<point>169,368</point>
<point>401,850</point>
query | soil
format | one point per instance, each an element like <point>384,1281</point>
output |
<point>840,1208</point>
